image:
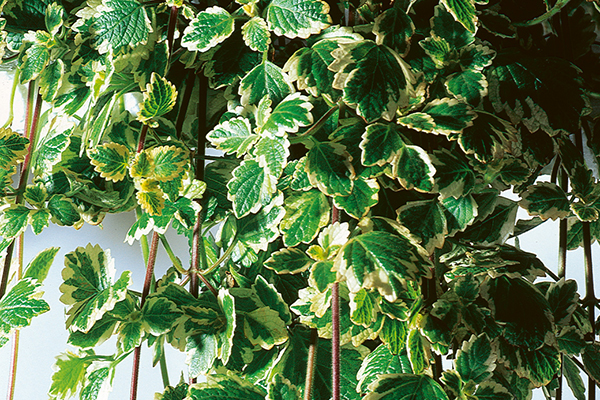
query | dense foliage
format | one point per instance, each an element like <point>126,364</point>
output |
<point>362,152</point>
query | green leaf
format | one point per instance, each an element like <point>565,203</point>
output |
<point>491,390</point>
<point>258,230</point>
<point>425,220</point>
<point>120,24</point>
<point>441,116</point>
<point>591,360</point>
<point>297,18</point>
<point>55,13</point>
<point>282,389</point>
<point>33,60</point>
<point>415,345</point>
<point>178,392</point>
<point>475,360</point>
<point>521,309</point>
<point>209,28</point>
<point>545,200</point>
<point>329,169</point>
<point>497,226</point>
<point>572,373</point>
<point>233,136</point>
<point>38,267</point>
<point>380,144</point>
<point>414,169</point>
<point>225,387</point>
<point>358,203</point>
<point>460,213</point>
<point>289,261</point>
<point>256,34</point>
<point>13,220</point>
<point>111,160</point>
<point>543,93</point>
<point>159,98</point>
<point>20,304</point>
<point>438,49</point>
<point>444,24</point>
<point>405,387</point>
<point>394,29</point>
<point>584,212</point>
<point>476,57</point>
<point>363,308</point>
<point>382,261</point>
<point>88,287</point>
<point>167,162</point>
<point>468,86</point>
<point>464,12</point>
<point>251,188</point>
<point>63,210</point>
<point>293,112</point>
<point>306,213</point>
<point>13,148</point>
<point>51,80</point>
<point>69,375</point>
<point>273,152</point>
<point>39,220</point>
<point>151,197</point>
<point>453,177</point>
<point>374,79</point>
<point>266,79</point>
<point>227,306</point>
<point>97,381</point>
<point>379,362</point>
<point>159,315</point>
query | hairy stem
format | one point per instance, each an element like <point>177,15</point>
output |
<point>145,291</point>
<point>310,363</point>
<point>335,328</point>
<point>12,378</point>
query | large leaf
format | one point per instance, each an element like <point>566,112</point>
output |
<point>13,220</point>
<point>209,28</point>
<point>120,24</point>
<point>292,113</point>
<point>476,359</point>
<point>289,261</point>
<point>88,287</point>
<point>306,213</point>
<point>497,226</point>
<point>20,304</point>
<point>381,361</point>
<point>39,267</point>
<point>382,261</point>
<point>442,116</point>
<point>545,200</point>
<point>297,18</point>
<point>425,219</point>
<point>365,194</point>
<point>464,12</point>
<point>380,144</point>
<point>224,387</point>
<point>256,34</point>
<point>394,29</point>
<point>266,79</point>
<point>414,169</point>
<point>405,387</point>
<point>543,93</point>
<point>374,79</point>
<point>454,177</point>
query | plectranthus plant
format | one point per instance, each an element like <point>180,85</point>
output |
<point>347,175</point>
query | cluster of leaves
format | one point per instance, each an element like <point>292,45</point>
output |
<point>365,145</point>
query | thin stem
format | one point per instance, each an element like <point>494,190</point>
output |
<point>562,233</point>
<point>185,102</point>
<point>225,255</point>
<point>172,24</point>
<point>335,328</point>
<point>164,371</point>
<point>176,262</point>
<point>11,110</point>
<point>135,373</point>
<point>310,363</point>
<point>12,378</point>
<point>590,297</point>
<point>315,128</point>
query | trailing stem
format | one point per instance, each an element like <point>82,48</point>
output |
<point>31,130</point>
<point>310,363</point>
<point>145,291</point>
<point>335,328</point>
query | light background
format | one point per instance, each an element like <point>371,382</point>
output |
<point>46,337</point>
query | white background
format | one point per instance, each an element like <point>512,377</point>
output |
<point>46,337</point>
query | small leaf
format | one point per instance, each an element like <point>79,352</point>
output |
<point>209,28</point>
<point>250,188</point>
<point>233,136</point>
<point>20,304</point>
<point>225,387</point>
<point>13,220</point>
<point>425,220</point>
<point>111,160</point>
<point>69,375</point>
<point>38,267</point>
<point>159,315</point>
<point>380,144</point>
<point>497,226</point>
<point>256,34</point>
<point>282,389</point>
<point>464,12</point>
<point>572,373</point>
<point>297,18</point>
<point>394,29</point>
<point>358,203</point>
<point>414,169</point>
<point>441,116</point>
<point>591,361</point>
<point>476,359</point>
<point>167,162</point>
<point>329,169</point>
<point>292,113</point>
<point>151,197</point>
<point>379,362</point>
<point>453,177</point>
<point>460,213</point>
<point>469,86</point>
<point>159,98</point>
<point>13,148</point>
<point>415,345</point>
<point>289,261</point>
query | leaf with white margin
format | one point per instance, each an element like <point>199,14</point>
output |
<point>159,97</point>
<point>306,213</point>
<point>209,28</point>
<point>256,34</point>
<point>414,169</point>
<point>545,200</point>
<point>365,194</point>
<point>20,304</point>
<point>233,136</point>
<point>297,18</point>
<point>266,79</point>
<point>383,261</point>
<point>251,188</point>
<point>425,219</point>
<point>290,114</point>
<point>405,387</point>
<point>88,288</point>
<point>475,360</point>
<point>329,168</point>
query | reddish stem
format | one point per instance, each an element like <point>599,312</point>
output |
<point>335,328</point>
